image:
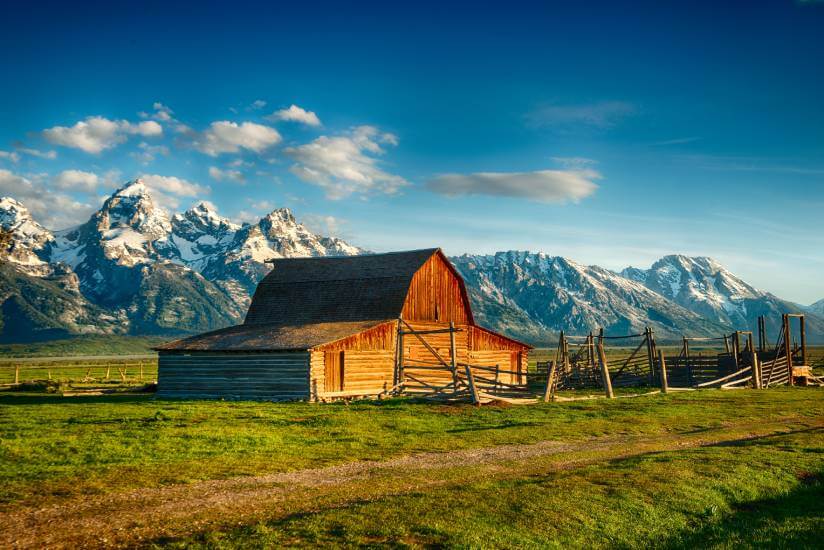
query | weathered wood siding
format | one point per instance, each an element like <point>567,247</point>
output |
<point>436,294</point>
<point>272,376</point>
<point>381,337</point>
<point>368,362</point>
<point>317,374</point>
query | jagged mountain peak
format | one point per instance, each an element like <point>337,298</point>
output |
<point>283,214</point>
<point>29,239</point>
<point>204,215</point>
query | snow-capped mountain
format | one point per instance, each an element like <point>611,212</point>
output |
<point>157,272</point>
<point>704,286</point>
<point>241,264</point>
<point>561,294</point>
<point>135,268</point>
<point>28,238</point>
<point>816,308</point>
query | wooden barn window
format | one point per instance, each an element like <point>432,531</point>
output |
<point>333,361</point>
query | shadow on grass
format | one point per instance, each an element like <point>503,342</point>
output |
<point>792,520</point>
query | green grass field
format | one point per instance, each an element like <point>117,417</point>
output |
<point>644,490</point>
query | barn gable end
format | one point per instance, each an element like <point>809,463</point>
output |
<point>437,293</point>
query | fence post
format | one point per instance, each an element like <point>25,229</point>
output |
<point>108,370</point>
<point>604,368</point>
<point>399,369</point>
<point>16,374</point>
<point>470,378</point>
<point>452,350</point>
<point>664,383</point>
<point>756,371</point>
<point>549,392</point>
<point>788,350</point>
<point>141,372</point>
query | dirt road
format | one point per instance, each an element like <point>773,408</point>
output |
<point>135,517</point>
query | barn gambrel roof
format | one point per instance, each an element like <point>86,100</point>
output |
<point>305,302</point>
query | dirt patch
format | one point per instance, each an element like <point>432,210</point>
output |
<point>133,517</point>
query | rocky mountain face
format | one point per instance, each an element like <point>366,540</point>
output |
<point>139,270</point>
<point>816,308</point>
<point>29,239</point>
<point>132,268</point>
<point>707,288</point>
<point>560,294</point>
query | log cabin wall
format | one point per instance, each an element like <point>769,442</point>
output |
<point>266,376</point>
<point>437,294</point>
<point>490,349</point>
<point>368,363</point>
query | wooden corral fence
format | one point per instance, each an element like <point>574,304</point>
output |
<point>79,369</point>
<point>442,375</point>
<point>581,362</point>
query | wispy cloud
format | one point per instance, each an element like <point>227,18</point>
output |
<point>600,115</point>
<point>12,156</point>
<point>54,210</point>
<point>167,191</point>
<point>677,141</point>
<point>548,186</point>
<point>218,174</point>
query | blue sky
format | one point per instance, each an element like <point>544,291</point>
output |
<point>611,133</point>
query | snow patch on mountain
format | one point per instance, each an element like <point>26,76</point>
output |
<point>29,239</point>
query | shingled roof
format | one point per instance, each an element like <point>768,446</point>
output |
<point>305,302</point>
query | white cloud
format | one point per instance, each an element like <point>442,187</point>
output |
<point>51,155</point>
<point>229,137</point>
<point>77,180</point>
<point>296,114</point>
<point>147,153</point>
<point>257,105</point>
<point>53,210</point>
<point>96,134</point>
<point>167,190</point>
<point>162,112</point>
<point>10,155</point>
<point>549,186</point>
<point>341,165</point>
<point>220,175</point>
<point>600,115</point>
<point>330,226</point>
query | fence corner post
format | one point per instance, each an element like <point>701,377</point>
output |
<point>663,367</point>
<point>549,392</point>
<point>756,371</point>
<point>602,356</point>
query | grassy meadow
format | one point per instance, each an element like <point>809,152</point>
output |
<point>762,491</point>
<point>711,468</point>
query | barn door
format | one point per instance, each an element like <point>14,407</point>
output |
<point>333,361</point>
<point>515,366</point>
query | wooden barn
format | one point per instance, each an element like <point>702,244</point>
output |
<point>325,328</point>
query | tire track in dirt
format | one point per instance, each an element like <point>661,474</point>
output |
<point>131,518</point>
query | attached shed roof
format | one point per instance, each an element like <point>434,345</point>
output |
<point>269,337</point>
<point>302,291</point>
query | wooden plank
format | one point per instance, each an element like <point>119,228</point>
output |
<point>663,372</point>
<point>605,369</point>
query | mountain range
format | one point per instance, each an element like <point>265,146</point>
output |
<point>133,268</point>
